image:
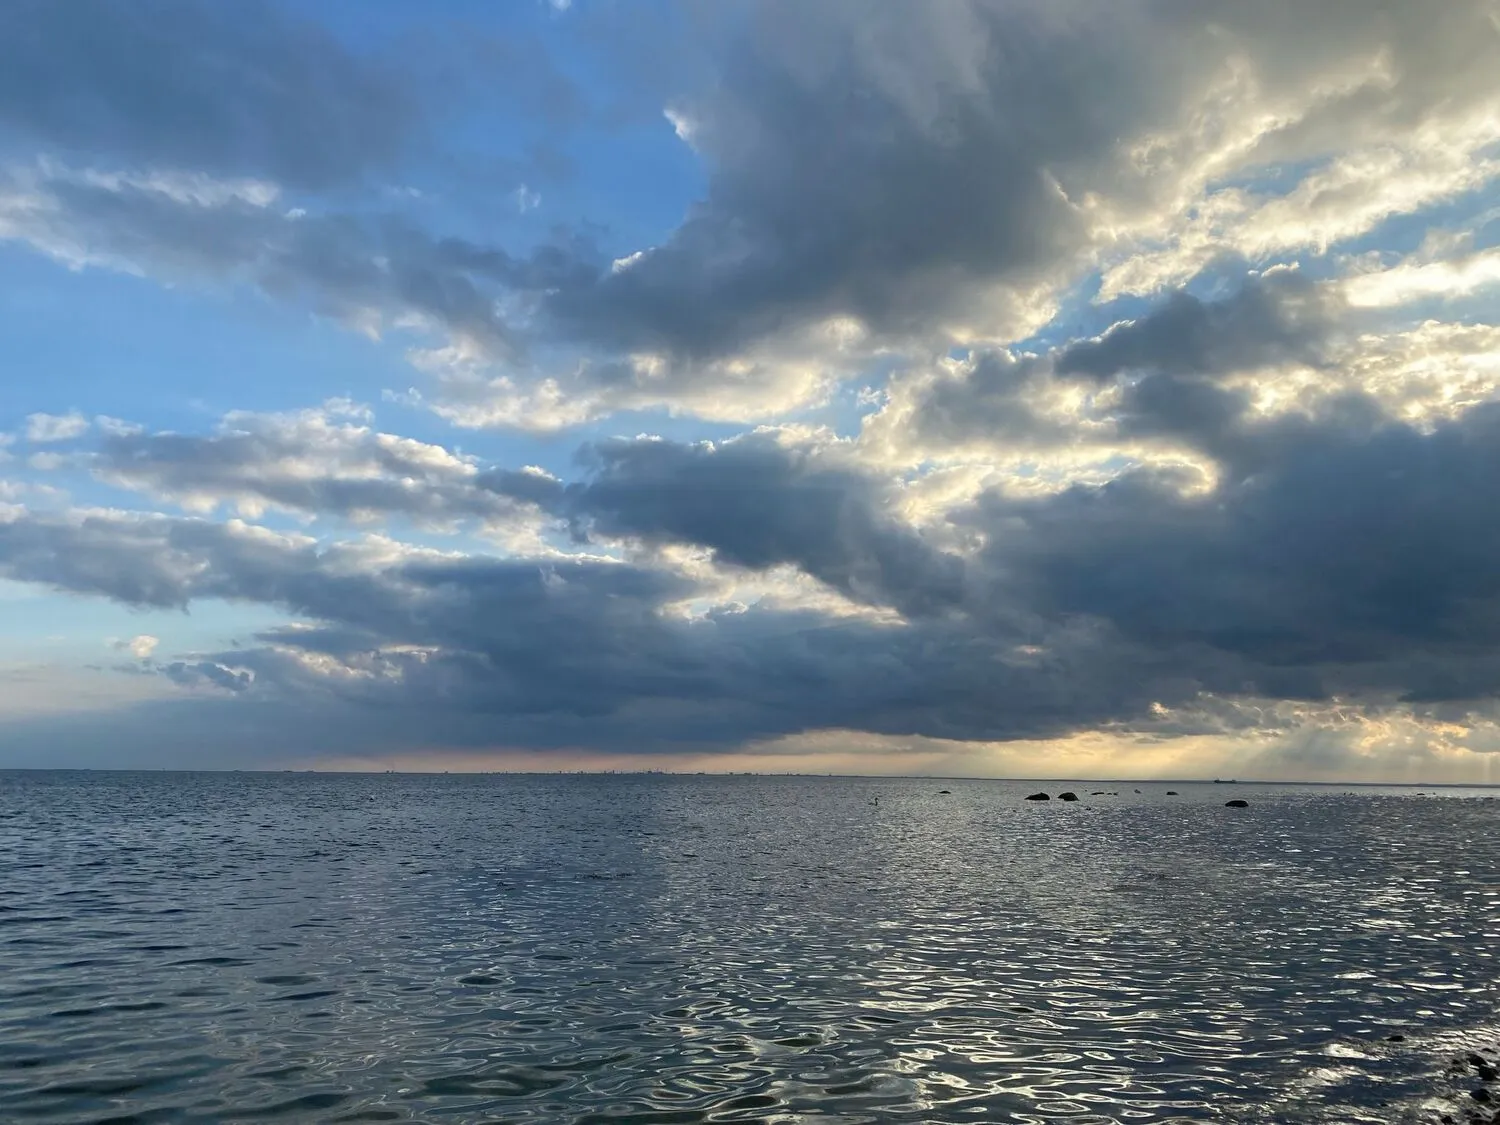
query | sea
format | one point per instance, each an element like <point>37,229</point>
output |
<point>668,950</point>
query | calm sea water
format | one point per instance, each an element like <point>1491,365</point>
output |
<point>241,947</point>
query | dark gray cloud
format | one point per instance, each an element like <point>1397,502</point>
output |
<point>189,675</point>
<point>367,271</point>
<point>1337,551</point>
<point>898,163</point>
<point>872,162</point>
<point>238,90</point>
<point>1281,317</point>
<point>559,652</point>
<point>1355,564</point>
<point>1353,558</point>
<point>1341,551</point>
<point>758,503</point>
<point>1169,364</point>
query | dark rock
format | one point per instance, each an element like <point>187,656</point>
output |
<point>1171,792</point>
<point>1481,1095</point>
<point>1067,796</point>
<point>1236,804</point>
<point>1395,1039</point>
<point>1039,797</point>
<point>945,791</point>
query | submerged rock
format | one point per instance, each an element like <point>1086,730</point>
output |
<point>1483,1067</point>
<point>1171,792</point>
<point>1039,797</point>
<point>1236,804</point>
<point>1067,796</point>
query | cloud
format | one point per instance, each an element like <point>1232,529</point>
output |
<point>1412,281</point>
<point>1351,564</point>
<point>141,647</point>
<point>370,273</point>
<point>759,502</point>
<point>43,428</point>
<point>1274,318</point>
<point>1348,561</point>
<point>988,157</point>
<point>991,152</point>
<point>208,671</point>
<point>225,90</point>
<point>319,462</point>
<point>559,651</point>
<point>1124,375</point>
<point>1170,380</point>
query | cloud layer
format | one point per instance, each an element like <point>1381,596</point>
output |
<point>1123,374</point>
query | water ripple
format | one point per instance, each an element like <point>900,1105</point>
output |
<point>185,947</point>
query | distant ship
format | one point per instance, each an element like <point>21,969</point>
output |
<point>1222,781</point>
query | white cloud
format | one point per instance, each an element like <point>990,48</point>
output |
<point>43,428</point>
<point>1415,281</point>
<point>193,189</point>
<point>141,646</point>
<point>682,124</point>
<point>527,199</point>
<point>116,426</point>
<point>318,463</point>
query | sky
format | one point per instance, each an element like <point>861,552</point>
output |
<point>1030,388</point>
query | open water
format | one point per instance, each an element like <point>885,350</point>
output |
<point>179,947</point>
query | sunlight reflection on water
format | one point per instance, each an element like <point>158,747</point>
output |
<point>586,949</point>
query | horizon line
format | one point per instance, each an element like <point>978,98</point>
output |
<point>746,773</point>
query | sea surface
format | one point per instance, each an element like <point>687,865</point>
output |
<point>196,947</point>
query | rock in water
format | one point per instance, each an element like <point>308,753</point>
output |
<point>1236,804</point>
<point>1039,797</point>
<point>1067,796</point>
<point>1171,792</point>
